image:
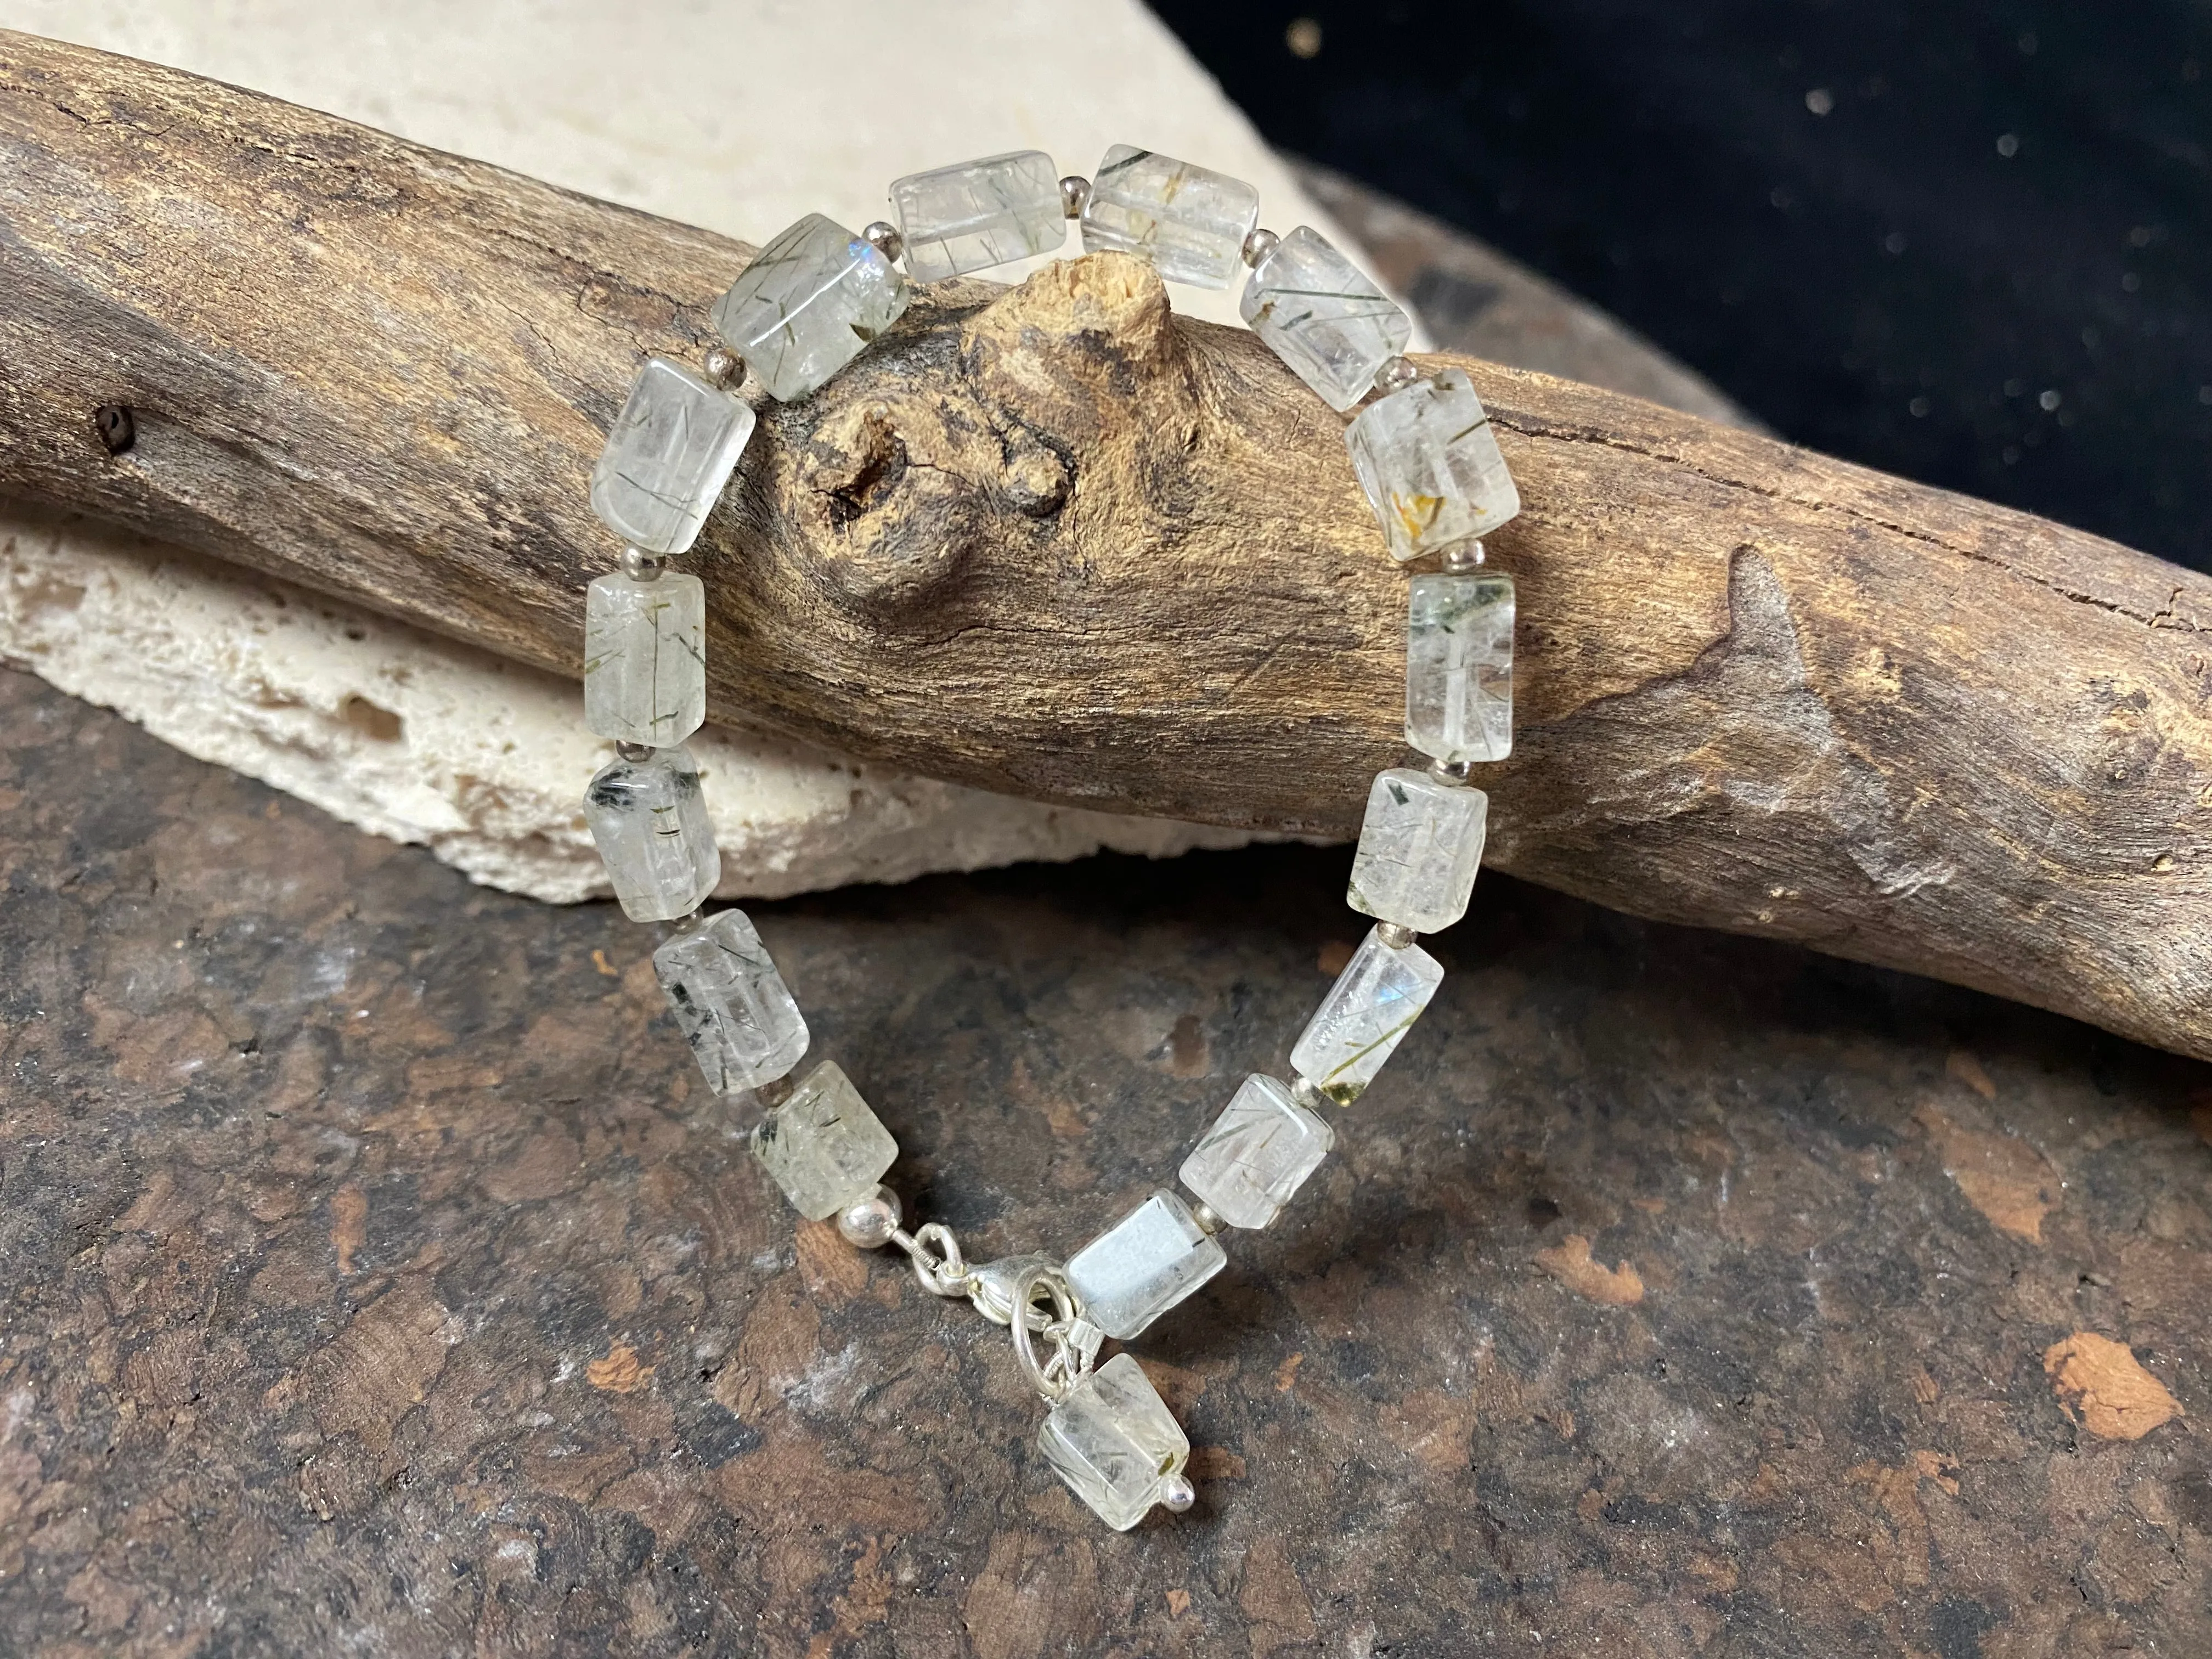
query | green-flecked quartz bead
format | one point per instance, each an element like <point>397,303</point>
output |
<point>1459,665</point>
<point>1114,1442</point>
<point>810,301</point>
<point>823,1147</point>
<point>1189,222</point>
<point>730,1003</point>
<point>649,819</point>
<point>979,213</point>
<point>1322,316</point>
<point>1365,1015</point>
<point>644,663</point>
<point>667,457</point>
<point>1430,466</point>
<point>1257,1153</point>
<point>1419,850</point>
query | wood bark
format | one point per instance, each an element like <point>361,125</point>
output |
<point>1054,541</point>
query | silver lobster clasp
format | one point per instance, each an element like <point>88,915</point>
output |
<point>991,1288</point>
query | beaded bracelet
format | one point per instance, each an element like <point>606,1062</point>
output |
<point>1422,447</point>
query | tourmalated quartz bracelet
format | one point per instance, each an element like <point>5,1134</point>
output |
<point>1424,454</point>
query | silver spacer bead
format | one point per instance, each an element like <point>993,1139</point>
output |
<point>1307,1093</point>
<point>1465,555</point>
<point>870,1224</point>
<point>1259,245</point>
<point>1395,934</point>
<point>723,367</point>
<point>1176,1493</point>
<point>634,752</point>
<point>885,238</point>
<point>641,566</point>
<point>1208,1222</point>
<point>1074,195</point>
<point>1395,375</point>
<point>1451,771</point>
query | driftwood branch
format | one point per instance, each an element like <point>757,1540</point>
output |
<point>1054,541</point>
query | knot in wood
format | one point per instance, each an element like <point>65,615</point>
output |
<point>858,459</point>
<point>1084,347</point>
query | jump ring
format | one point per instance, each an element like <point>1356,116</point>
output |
<point>1043,1276</point>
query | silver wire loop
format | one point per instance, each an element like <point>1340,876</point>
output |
<point>1074,1347</point>
<point>945,1273</point>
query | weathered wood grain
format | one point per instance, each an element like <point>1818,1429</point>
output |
<point>1055,542</point>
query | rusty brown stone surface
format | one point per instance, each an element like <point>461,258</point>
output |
<point>380,1279</point>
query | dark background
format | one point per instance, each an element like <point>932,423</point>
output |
<point>1972,244</point>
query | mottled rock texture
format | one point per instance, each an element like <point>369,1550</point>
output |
<point>381,1275</point>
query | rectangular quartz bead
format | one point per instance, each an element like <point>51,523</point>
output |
<point>1459,666</point>
<point>979,213</point>
<point>1373,1003</point>
<point>644,663</point>
<point>1143,1265</point>
<point>730,1002</point>
<point>1190,222</point>
<point>1419,850</point>
<point>671,450</point>
<point>1323,317</point>
<point>807,305</point>
<point>823,1147</point>
<point>1114,1442</point>
<point>1257,1154</point>
<point>649,819</point>
<point>1430,464</point>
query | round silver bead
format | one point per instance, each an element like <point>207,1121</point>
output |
<point>1307,1094</point>
<point>1451,771</point>
<point>1395,934</point>
<point>1074,195</point>
<point>1395,375</point>
<point>1465,556</point>
<point>1208,1222</point>
<point>1259,245</point>
<point>641,566</point>
<point>634,752</point>
<point>1176,1493</point>
<point>723,365</point>
<point>885,238</point>
<point>869,1225</point>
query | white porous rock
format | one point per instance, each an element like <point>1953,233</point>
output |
<point>739,115</point>
<point>482,761</point>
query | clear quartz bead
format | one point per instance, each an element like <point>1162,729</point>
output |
<point>1114,1442</point>
<point>823,1147</point>
<point>1430,464</point>
<point>1459,666</point>
<point>1373,1003</point>
<point>808,304</point>
<point>1188,222</point>
<point>1143,1265</point>
<point>1323,317</point>
<point>645,664</point>
<point>1257,1154</point>
<point>670,451</point>
<point>650,822</point>
<point>730,1002</point>
<point>979,213</point>
<point>1419,850</point>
